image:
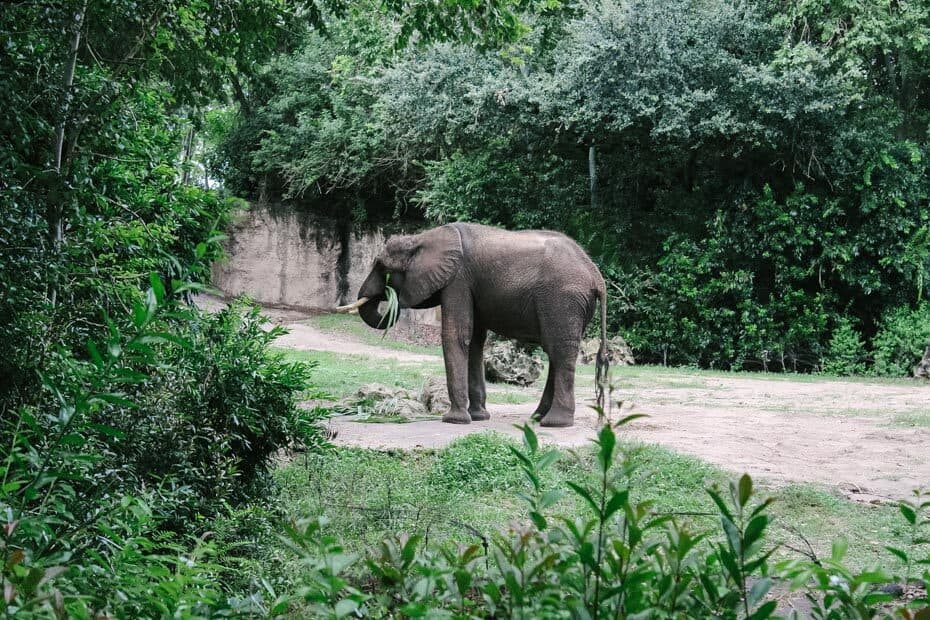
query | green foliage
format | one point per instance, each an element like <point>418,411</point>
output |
<point>903,334</point>
<point>845,353</point>
<point>172,418</point>
<point>746,175</point>
<point>620,557</point>
<point>475,463</point>
<point>215,410</point>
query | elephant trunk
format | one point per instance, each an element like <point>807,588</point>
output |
<point>371,316</point>
<point>373,289</point>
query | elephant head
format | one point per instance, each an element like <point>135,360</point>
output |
<point>417,267</point>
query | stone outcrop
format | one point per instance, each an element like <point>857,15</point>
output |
<point>506,361</point>
<point>618,351</point>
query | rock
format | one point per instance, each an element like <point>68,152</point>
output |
<point>506,361</point>
<point>386,401</point>
<point>435,396</point>
<point>618,351</point>
<point>922,369</point>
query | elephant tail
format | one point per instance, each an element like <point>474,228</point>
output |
<point>602,364</point>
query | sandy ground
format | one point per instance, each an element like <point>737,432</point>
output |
<point>848,435</point>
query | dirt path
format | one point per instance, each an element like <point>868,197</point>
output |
<point>849,435</point>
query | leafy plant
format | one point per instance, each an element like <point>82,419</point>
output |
<point>902,336</point>
<point>845,352</point>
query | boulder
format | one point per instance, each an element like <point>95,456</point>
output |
<point>383,401</point>
<point>386,401</point>
<point>435,396</point>
<point>922,369</point>
<point>618,351</point>
<point>506,361</point>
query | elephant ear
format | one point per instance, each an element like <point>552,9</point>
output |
<point>434,259</point>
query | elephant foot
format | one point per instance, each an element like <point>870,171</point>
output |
<point>456,417</point>
<point>557,418</point>
<point>479,415</point>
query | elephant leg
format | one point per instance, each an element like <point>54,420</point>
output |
<point>457,332</point>
<point>477,393</point>
<point>546,402</point>
<point>562,358</point>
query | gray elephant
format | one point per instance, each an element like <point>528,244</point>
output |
<point>535,286</point>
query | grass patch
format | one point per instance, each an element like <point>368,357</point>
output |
<point>514,396</point>
<point>471,486</point>
<point>355,327</point>
<point>917,419</point>
<point>340,375</point>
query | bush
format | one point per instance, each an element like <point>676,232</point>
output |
<point>216,408</point>
<point>902,336</point>
<point>845,352</point>
<point>622,559</point>
<point>476,462</point>
<point>174,417</point>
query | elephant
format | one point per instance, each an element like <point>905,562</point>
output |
<point>536,286</point>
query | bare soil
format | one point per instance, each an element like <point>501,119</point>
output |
<point>848,435</point>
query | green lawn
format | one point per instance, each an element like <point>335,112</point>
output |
<point>472,486</point>
<point>355,327</point>
<point>339,375</point>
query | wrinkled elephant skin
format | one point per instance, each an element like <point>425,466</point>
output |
<point>535,286</point>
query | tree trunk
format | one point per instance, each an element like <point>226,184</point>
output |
<point>186,157</point>
<point>592,175</point>
<point>56,220</point>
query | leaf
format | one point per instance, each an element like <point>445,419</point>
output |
<point>548,459</point>
<point>765,611</point>
<point>758,591</point>
<point>340,561</point>
<point>901,555</point>
<point>345,607</point>
<point>745,489</point>
<point>585,495</point>
<point>109,431</point>
<point>538,520</point>
<point>529,437</point>
<point>410,549</point>
<point>840,547</point>
<point>627,419</point>
<point>617,501</point>
<point>721,505</point>
<point>114,399</point>
<point>733,535</point>
<point>549,498</point>
<point>908,513</point>
<point>755,528</point>
<point>606,441</point>
<point>157,287</point>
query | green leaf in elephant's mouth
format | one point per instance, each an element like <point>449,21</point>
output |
<point>393,307</point>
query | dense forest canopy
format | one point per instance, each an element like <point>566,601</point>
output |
<point>750,176</point>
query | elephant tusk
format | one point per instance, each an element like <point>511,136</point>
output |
<point>352,308</point>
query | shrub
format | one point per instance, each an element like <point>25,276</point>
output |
<point>901,339</point>
<point>845,351</point>
<point>476,462</point>
<point>621,559</point>
<point>172,418</point>
<point>217,406</point>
